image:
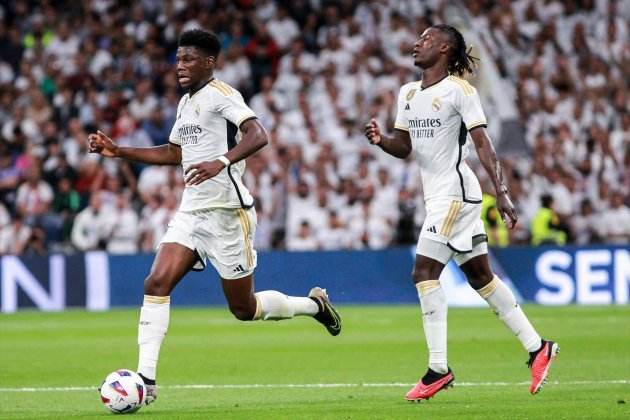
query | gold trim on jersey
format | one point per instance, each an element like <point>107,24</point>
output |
<point>410,94</point>
<point>400,127</point>
<point>466,87</point>
<point>246,117</point>
<point>449,221</point>
<point>475,124</point>
<point>244,219</point>
<point>223,88</point>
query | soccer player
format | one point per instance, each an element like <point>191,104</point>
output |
<point>433,119</point>
<point>214,133</point>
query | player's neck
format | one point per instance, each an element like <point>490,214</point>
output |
<point>433,75</point>
<point>199,85</point>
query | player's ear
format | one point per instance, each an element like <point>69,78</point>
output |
<point>210,61</point>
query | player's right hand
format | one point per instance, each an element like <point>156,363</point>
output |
<point>99,143</point>
<point>373,132</point>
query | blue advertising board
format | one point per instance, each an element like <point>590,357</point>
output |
<point>597,275</point>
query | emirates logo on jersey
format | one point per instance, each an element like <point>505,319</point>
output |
<point>436,104</point>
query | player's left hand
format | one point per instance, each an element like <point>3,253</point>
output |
<point>507,210</point>
<point>199,172</point>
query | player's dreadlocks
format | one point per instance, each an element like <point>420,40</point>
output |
<point>460,61</point>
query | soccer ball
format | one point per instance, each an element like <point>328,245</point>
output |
<point>123,391</point>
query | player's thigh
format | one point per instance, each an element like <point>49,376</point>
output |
<point>171,263</point>
<point>431,257</point>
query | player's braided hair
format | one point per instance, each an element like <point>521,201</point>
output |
<point>460,61</point>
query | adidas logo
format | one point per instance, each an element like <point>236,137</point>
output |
<point>407,108</point>
<point>239,269</point>
<point>432,229</point>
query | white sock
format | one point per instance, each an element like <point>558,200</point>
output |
<point>502,301</point>
<point>272,305</point>
<point>154,317</point>
<point>434,310</point>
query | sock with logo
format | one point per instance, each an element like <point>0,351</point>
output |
<point>272,305</point>
<point>434,311</point>
<point>502,301</point>
<point>154,318</point>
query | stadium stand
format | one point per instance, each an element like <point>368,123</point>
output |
<point>314,71</point>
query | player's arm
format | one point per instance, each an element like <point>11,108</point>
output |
<point>253,138</point>
<point>399,145</point>
<point>167,154</point>
<point>490,161</point>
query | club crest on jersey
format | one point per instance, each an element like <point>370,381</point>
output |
<point>436,104</point>
<point>410,94</point>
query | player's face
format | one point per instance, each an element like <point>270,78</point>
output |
<point>193,67</point>
<point>427,49</point>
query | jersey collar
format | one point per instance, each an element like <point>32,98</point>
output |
<point>432,84</point>
<point>206,84</point>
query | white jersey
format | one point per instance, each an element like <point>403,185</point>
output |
<point>207,126</point>
<point>438,119</point>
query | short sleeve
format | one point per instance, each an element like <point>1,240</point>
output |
<point>230,104</point>
<point>174,136</point>
<point>402,121</point>
<point>469,107</point>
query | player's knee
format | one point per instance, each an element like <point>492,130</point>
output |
<point>243,312</point>
<point>479,280</point>
<point>157,284</point>
<point>425,272</point>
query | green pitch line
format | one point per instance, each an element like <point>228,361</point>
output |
<point>213,366</point>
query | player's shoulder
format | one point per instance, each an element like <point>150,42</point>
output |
<point>219,87</point>
<point>409,86</point>
<point>460,85</point>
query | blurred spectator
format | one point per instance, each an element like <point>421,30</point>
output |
<point>546,225</point>
<point>263,54</point>
<point>616,221</point>
<point>14,237</point>
<point>65,206</point>
<point>304,240</point>
<point>90,226</point>
<point>34,196</point>
<point>122,230</point>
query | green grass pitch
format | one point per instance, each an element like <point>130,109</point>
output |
<point>379,354</point>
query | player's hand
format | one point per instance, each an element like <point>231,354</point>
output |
<point>199,172</point>
<point>373,132</point>
<point>99,143</point>
<point>507,210</point>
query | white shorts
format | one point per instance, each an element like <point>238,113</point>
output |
<point>452,228</point>
<point>224,236</point>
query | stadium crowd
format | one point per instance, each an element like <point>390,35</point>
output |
<point>314,72</point>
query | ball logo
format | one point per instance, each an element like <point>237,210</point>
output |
<point>436,104</point>
<point>410,94</point>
